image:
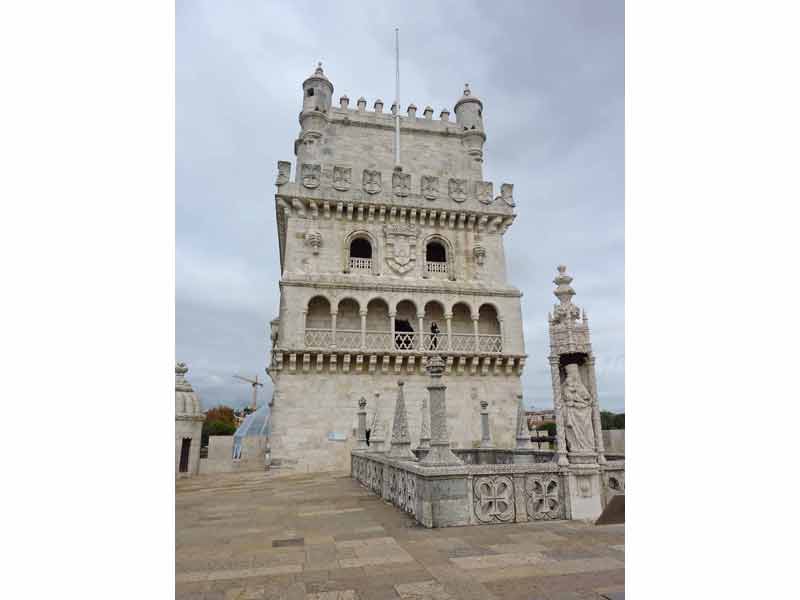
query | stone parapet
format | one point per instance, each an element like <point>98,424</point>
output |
<point>481,494</point>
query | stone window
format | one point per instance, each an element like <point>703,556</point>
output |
<point>435,252</point>
<point>360,248</point>
<point>310,92</point>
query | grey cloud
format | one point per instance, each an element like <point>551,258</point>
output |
<point>551,75</point>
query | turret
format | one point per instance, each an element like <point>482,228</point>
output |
<point>317,92</point>
<point>469,120</point>
<point>317,95</point>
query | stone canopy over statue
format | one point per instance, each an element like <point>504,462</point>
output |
<point>577,407</point>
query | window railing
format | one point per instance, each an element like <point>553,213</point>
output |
<point>360,264</point>
<point>436,267</point>
<point>405,341</point>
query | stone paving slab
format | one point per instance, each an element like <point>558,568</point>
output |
<point>322,537</point>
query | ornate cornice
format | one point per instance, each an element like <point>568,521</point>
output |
<point>374,286</point>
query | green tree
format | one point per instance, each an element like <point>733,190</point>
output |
<point>619,421</point>
<point>220,420</point>
<point>549,427</point>
<point>607,419</point>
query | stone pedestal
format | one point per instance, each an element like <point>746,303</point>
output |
<point>523,432</point>
<point>583,492</point>
<point>440,453</point>
<point>401,443</point>
<point>486,437</point>
<point>361,434</point>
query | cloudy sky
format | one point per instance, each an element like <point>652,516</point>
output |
<point>551,77</point>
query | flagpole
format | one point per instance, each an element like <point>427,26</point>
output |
<point>397,97</point>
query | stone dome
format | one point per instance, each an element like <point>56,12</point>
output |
<point>187,404</point>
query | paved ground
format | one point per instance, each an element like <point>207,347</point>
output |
<point>324,537</point>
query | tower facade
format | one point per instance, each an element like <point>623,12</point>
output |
<point>384,265</point>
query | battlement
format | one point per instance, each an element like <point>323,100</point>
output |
<point>365,138</point>
<point>378,117</point>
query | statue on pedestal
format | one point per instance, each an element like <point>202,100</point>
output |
<point>577,403</point>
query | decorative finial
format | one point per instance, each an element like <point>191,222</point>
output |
<point>564,291</point>
<point>466,89</point>
<point>319,70</point>
<point>435,366</point>
<point>181,368</point>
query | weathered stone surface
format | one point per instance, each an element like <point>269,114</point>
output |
<point>352,321</point>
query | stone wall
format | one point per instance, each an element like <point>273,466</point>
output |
<point>220,455</point>
<point>614,440</point>
<point>308,407</point>
<point>192,429</point>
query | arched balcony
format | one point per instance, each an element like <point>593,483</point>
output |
<point>318,322</point>
<point>490,329</point>
<point>402,328</point>
<point>438,258</point>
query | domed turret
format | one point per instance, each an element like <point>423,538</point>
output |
<point>317,92</point>
<point>317,98</point>
<point>469,119</point>
<point>187,404</point>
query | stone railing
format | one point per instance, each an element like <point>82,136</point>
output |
<point>318,338</point>
<point>436,267</point>
<point>386,341</point>
<point>508,488</point>
<point>360,264</point>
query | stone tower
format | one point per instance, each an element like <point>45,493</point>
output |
<point>383,266</point>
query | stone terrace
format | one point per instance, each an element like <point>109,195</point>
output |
<point>323,537</point>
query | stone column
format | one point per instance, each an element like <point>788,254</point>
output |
<point>333,329</point>
<point>425,425</point>
<point>502,334</point>
<point>421,324</point>
<point>486,436</point>
<point>561,443</point>
<point>523,433</point>
<point>377,434</point>
<point>391,330</point>
<point>361,436</point>
<point>449,319</point>
<point>599,445</point>
<point>305,326</point>
<point>440,453</point>
<point>401,443</point>
<point>363,314</point>
<point>475,330</point>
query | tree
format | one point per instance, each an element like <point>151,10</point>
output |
<point>607,419</point>
<point>619,421</point>
<point>220,420</point>
<point>549,427</point>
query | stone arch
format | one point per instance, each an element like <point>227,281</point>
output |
<point>488,319</point>
<point>447,246</point>
<point>318,313</point>
<point>361,234</point>
<point>348,314</point>
<point>462,318</point>
<point>378,315</point>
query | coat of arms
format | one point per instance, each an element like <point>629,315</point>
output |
<point>372,181</point>
<point>483,190</point>
<point>457,189</point>
<point>507,193</point>
<point>341,178</point>
<point>284,170</point>
<point>401,247</point>
<point>310,175</point>
<point>429,187</point>
<point>401,183</point>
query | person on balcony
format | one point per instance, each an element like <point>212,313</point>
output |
<point>434,336</point>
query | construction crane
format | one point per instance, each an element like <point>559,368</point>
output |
<point>255,383</point>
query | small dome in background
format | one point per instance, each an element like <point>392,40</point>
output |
<point>187,404</point>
